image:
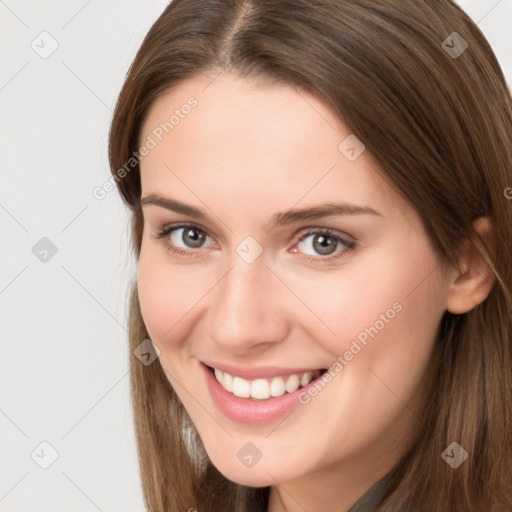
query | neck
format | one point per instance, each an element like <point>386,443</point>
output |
<point>338,487</point>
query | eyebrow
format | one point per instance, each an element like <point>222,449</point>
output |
<point>278,219</point>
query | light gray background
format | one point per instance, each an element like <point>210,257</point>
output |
<point>64,363</point>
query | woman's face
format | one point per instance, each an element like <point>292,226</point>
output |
<point>292,255</point>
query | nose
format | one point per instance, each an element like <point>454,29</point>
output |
<point>247,310</point>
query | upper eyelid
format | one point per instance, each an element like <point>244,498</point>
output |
<point>166,229</point>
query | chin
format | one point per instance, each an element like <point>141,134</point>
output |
<point>260,475</point>
<point>250,477</point>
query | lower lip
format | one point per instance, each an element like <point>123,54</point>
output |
<point>251,411</point>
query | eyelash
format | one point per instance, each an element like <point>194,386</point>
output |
<point>167,230</point>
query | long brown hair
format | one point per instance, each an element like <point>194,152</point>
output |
<point>438,120</point>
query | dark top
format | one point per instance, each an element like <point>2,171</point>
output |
<point>368,501</point>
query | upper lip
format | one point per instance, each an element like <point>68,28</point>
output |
<point>258,372</point>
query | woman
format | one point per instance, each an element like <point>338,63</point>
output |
<point>319,206</point>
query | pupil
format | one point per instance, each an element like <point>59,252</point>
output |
<point>324,244</point>
<point>195,237</point>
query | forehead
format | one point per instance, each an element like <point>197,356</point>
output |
<point>256,142</point>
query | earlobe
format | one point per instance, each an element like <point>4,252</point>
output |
<point>472,285</point>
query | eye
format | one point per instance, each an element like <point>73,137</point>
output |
<point>323,244</point>
<point>317,245</point>
<point>190,236</point>
<point>183,239</point>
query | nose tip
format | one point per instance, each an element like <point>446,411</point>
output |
<point>246,308</point>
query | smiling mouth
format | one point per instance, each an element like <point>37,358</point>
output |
<point>264,389</point>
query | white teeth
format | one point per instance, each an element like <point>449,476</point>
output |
<point>292,384</point>
<point>228,382</point>
<point>263,389</point>
<point>241,387</point>
<point>260,388</point>
<point>277,386</point>
<point>306,379</point>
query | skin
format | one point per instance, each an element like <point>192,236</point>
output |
<point>247,151</point>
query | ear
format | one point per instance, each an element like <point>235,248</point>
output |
<point>473,283</point>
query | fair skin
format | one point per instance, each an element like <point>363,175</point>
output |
<point>247,151</point>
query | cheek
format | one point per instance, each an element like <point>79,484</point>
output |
<point>165,294</point>
<point>170,295</point>
<point>387,329</point>
<point>370,298</point>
